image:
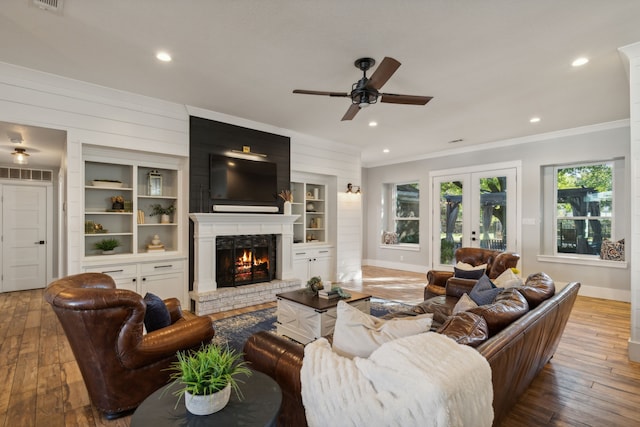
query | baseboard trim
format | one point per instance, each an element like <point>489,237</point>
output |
<point>634,351</point>
<point>396,265</point>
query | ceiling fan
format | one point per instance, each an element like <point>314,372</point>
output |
<point>366,90</point>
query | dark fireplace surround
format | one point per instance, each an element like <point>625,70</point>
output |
<point>245,259</point>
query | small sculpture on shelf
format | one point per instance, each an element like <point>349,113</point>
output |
<point>156,244</point>
<point>117,203</point>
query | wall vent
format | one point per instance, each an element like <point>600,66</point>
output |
<point>50,5</point>
<point>26,174</point>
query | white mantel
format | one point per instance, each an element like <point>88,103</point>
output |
<point>208,226</point>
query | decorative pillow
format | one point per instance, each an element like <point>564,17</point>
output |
<point>484,292</point>
<point>390,238</point>
<point>464,266</point>
<point>613,251</point>
<point>507,279</point>
<point>358,334</point>
<point>464,303</point>
<point>468,274</point>
<point>157,315</point>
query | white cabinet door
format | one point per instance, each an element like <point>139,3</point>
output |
<point>313,262</point>
<point>163,285</point>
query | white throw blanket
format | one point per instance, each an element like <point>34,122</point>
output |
<point>421,380</point>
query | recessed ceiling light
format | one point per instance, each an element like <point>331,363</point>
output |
<point>373,124</point>
<point>163,56</point>
<point>386,150</point>
<point>534,120</point>
<point>580,61</point>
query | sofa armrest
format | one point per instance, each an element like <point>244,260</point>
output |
<point>438,277</point>
<point>456,286</point>
<point>281,359</point>
<point>175,310</point>
<point>436,281</point>
<point>165,342</point>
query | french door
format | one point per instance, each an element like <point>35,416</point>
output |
<point>474,209</point>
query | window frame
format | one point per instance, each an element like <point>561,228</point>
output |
<point>556,218</point>
<point>390,213</point>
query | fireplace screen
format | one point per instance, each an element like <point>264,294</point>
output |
<point>242,260</point>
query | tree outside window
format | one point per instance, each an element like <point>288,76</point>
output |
<point>406,217</point>
<point>584,207</point>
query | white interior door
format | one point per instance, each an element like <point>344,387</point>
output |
<point>24,233</point>
<point>475,209</point>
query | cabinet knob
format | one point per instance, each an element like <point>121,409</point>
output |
<point>134,279</point>
<point>144,279</point>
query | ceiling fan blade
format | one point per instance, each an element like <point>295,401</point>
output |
<point>385,70</point>
<point>351,112</point>
<point>393,98</point>
<point>317,92</point>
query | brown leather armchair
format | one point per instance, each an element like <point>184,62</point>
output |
<point>120,365</point>
<point>497,262</point>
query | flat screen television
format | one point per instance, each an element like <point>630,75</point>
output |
<point>242,181</point>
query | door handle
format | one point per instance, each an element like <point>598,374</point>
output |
<point>40,242</point>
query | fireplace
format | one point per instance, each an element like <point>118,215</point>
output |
<point>210,294</point>
<point>243,260</point>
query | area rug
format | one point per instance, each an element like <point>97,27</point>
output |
<point>234,331</point>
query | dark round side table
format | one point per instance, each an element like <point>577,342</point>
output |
<point>260,407</point>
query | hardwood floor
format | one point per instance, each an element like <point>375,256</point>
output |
<point>589,382</point>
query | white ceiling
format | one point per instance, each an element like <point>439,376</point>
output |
<point>490,65</point>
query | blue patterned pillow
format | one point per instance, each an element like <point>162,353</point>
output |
<point>157,315</point>
<point>484,292</point>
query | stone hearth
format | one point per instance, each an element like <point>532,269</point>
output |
<point>206,297</point>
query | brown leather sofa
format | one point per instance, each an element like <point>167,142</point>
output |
<point>516,351</point>
<point>104,325</point>
<point>497,262</point>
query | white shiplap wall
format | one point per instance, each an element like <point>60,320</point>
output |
<point>633,245</point>
<point>101,116</point>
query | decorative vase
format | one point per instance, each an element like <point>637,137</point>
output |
<point>287,208</point>
<point>208,403</point>
<point>164,219</point>
<point>116,206</point>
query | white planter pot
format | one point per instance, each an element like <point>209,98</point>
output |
<point>208,403</point>
<point>287,208</point>
<point>164,219</point>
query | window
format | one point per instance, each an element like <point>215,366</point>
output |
<point>584,205</point>
<point>404,214</point>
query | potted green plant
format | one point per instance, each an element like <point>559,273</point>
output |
<point>315,284</point>
<point>163,212</point>
<point>107,246</point>
<point>207,376</point>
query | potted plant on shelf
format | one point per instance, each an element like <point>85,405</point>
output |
<point>107,246</point>
<point>207,376</point>
<point>164,213</point>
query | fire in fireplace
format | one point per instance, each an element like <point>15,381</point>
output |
<point>242,260</point>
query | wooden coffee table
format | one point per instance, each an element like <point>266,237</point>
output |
<point>305,317</point>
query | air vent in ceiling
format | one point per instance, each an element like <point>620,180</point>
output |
<point>51,5</point>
